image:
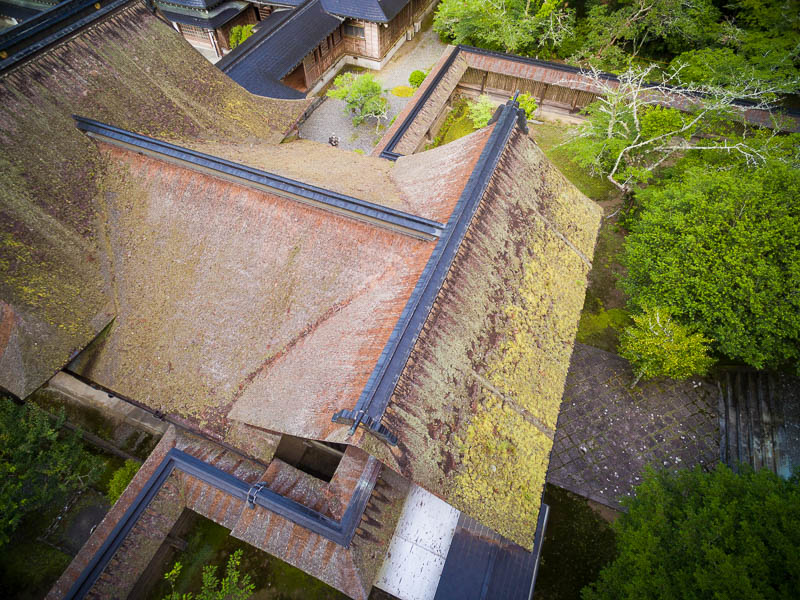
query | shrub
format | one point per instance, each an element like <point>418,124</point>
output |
<point>416,78</point>
<point>528,104</point>
<point>362,95</point>
<point>656,345</point>
<point>692,534</point>
<point>120,480</point>
<point>481,111</point>
<point>39,464</point>
<point>233,586</point>
<point>239,34</point>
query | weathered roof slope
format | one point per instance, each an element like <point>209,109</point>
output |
<point>477,402</point>
<point>233,295</point>
<point>131,70</point>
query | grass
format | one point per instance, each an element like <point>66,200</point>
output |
<point>602,329</point>
<point>403,91</point>
<point>577,544</point>
<point>604,316</point>
<point>211,544</point>
<point>548,136</point>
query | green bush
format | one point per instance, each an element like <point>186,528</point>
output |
<point>239,33</point>
<point>481,111</point>
<point>39,463</point>
<point>120,480</point>
<point>658,346</point>
<point>416,78</point>
<point>362,94</point>
<point>233,586</point>
<point>693,534</point>
<point>528,104</point>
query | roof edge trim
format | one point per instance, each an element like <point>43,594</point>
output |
<point>340,532</point>
<point>348,206</point>
<point>375,397</point>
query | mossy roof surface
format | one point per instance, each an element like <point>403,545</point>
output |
<point>130,70</point>
<point>230,297</point>
<point>476,405</point>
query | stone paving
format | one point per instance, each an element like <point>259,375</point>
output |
<point>330,119</point>
<point>607,432</point>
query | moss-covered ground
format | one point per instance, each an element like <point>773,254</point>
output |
<point>577,544</point>
<point>211,544</point>
<point>456,125</point>
<point>604,315</point>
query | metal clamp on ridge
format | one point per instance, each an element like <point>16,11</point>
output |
<point>354,418</point>
<point>253,493</point>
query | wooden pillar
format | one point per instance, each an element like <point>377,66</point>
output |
<point>544,93</point>
<point>213,38</point>
<point>575,101</point>
<point>483,81</point>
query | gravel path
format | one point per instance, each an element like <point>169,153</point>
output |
<point>330,119</point>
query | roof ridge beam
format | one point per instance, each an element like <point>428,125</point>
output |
<point>374,399</point>
<point>347,206</point>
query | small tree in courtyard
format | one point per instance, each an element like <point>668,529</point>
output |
<point>695,535</point>
<point>38,464</point>
<point>362,94</point>
<point>481,111</point>
<point>234,586</point>
<point>656,345</point>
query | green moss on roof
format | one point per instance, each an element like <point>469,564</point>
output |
<point>476,406</point>
<point>133,71</point>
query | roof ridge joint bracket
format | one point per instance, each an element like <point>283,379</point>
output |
<point>354,418</point>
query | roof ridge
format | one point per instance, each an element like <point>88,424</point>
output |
<point>362,210</point>
<point>375,397</point>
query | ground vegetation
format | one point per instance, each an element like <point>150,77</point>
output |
<point>697,534</point>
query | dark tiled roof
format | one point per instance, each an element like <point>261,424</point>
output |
<point>376,11</point>
<point>196,4</point>
<point>481,564</point>
<point>203,19</point>
<point>281,43</point>
<point>18,12</point>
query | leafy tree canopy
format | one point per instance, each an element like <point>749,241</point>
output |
<point>362,94</point>
<point>38,465</point>
<point>516,26</point>
<point>721,246</point>
<point>696,535</point>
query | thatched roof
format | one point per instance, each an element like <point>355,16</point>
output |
<point>130,70</point>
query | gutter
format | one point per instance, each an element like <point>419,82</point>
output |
<point>348,206</point>
<point>340,532</point>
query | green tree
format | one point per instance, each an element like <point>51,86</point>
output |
<point>628,133</point>
<point>362,94</point>
<point>39,464</point>
<point>516,26</point>
<point>120,480</point>
<point>658,346</point>
<point>481,111</point>
<point>696,535</point>
<point>239,33</point>
<point>720,244</point>
<point>234,586</point>
<point>616,31</point>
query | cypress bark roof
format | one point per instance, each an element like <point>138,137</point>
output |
<point>55,270</point>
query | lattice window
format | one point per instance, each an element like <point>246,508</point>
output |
<point>354,31</point>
